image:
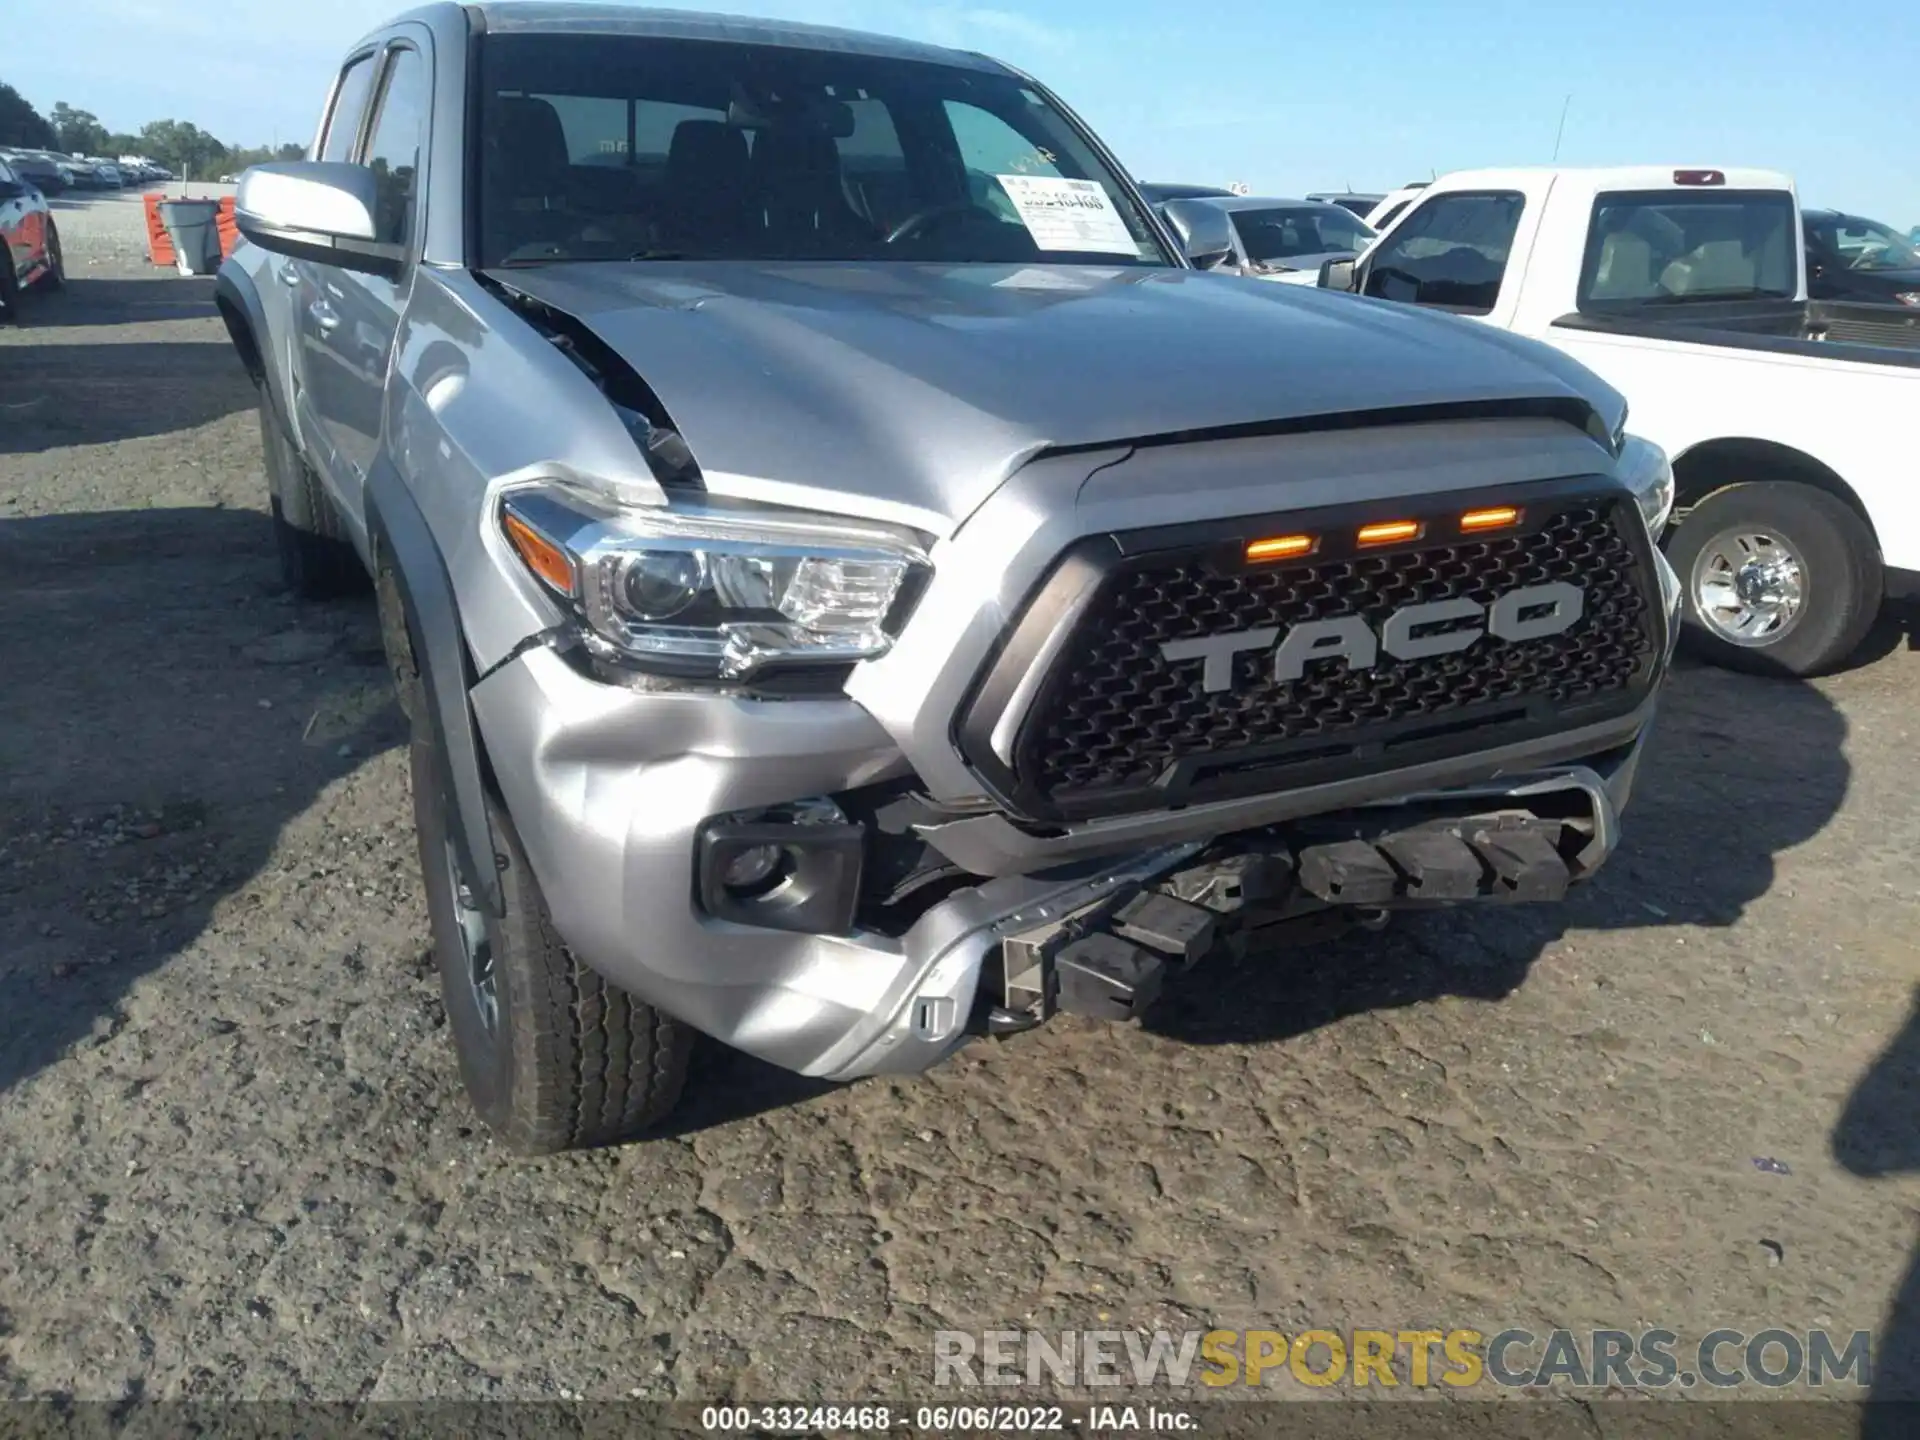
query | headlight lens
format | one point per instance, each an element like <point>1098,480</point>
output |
<point>713,593</point>
<point>1644,467</point>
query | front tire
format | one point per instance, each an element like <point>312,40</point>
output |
<point>553,1056</point>
<point>1778,578</point>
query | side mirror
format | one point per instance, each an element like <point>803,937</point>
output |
<point>319,210</point>
<point>1339,274</point>
<point>1204,231</point>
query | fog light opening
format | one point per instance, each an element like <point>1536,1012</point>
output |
<point>757,871</point>
<point>794,866</point>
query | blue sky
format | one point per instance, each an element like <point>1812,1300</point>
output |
<point>1286,98</point>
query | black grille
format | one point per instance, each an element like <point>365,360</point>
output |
<point>1117,726</point>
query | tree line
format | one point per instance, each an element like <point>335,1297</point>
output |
<point>181,146</point>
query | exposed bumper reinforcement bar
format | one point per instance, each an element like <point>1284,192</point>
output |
<point>1109,958</point>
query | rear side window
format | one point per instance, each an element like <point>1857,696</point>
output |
<point>1451,252</point>
<point>393,149</point>
<point>349,104</point>
<point>1673,246</point>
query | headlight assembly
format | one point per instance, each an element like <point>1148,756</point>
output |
<point>714,593</point>
<point>1644,467</point>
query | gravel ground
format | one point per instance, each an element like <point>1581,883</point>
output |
<point>235,1161</point>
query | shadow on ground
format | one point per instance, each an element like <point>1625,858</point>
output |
<point>58,395</point>
<point>168,710</point>
<point>87,301</point>
<point>1877,1136</point>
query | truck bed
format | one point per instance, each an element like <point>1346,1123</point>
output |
<point>1818,329</point>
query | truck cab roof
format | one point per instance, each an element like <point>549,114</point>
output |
<point>547,17</point>
<point>1536,179</point>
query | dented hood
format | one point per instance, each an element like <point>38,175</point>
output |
<point>922,388</point>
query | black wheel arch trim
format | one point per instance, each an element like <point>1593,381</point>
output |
<point>238,301</point>
<point>1901,584</point>
<point>402,541</point>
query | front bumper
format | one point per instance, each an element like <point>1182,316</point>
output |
<point>609,788</point>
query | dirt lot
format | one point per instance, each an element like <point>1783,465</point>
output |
<point>234,1160</point>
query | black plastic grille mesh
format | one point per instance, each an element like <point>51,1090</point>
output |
<point>1117,714</point>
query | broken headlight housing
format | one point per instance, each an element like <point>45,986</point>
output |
<point>711,592</point>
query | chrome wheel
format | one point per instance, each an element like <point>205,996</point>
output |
<point>478,949</point>
<point>1749,587</point>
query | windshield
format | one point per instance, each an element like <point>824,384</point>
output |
<point>598,147</point>
<point>1272,237</point>
<point>1862,244</point>
<point>1671,247</point>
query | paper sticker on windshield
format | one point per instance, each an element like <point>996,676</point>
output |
<point>1068,214</point>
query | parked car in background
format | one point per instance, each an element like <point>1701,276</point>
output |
<point>37,169</point>
<point>144,169</point>
<point>1851,258</point>
<point>1393,204</point>
<point>1289,240</point>
<point>29,242</point>
<point>1159,192</point>
<point>844,614</point>
<point>1360,204</point>
<point>1684,288</point>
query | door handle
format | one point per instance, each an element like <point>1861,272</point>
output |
<point>324,316</point>
<point>289,275</point>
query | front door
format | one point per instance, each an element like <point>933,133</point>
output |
<point>312,286</point>
<point>357,315</point>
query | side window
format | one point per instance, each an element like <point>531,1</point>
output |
<point>393,149</point>
<point>1451,252</point>
<point>349,104</point>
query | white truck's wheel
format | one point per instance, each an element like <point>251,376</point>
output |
<point>1779,578</point>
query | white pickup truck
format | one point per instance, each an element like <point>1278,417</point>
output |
<point>1799,482</point>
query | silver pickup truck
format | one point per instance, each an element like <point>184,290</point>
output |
<point>857,583</point>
